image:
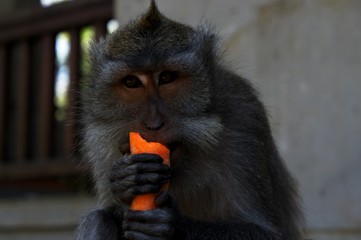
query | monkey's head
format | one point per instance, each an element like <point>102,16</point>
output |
<point>165,80</point>
<point>154,76</point>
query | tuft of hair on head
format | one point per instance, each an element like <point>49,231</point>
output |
<point>153,6</point>
<point>152,16</point>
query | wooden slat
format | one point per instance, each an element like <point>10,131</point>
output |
<point>3,68</point>
<point>74,65</point>
<point>51,168</point>
<point>45,142</point>
<point>56,18</point>
<point>22,100</point>
<point>44,24</point>
<point>100,29</point>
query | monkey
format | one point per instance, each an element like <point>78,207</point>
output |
<point>167,81</point>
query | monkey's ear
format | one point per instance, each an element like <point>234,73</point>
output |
<point>97,61</point>
<point>208,43</point>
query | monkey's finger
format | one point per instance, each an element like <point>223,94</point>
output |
<point>125,191</point>
<point>140,236</point>
<point>131,159</point>
<point>151,216</point>
<point>142,168</point>
<point>123,183</point>
<point>147,188</point>
<point>122,177</point>
<point>164,199</point>
<point>145,183</point>
<point>150,229</point>
<point>143,158</point>
<point>149,168</point>
<point>152,178</point>
<point>138,168</point>
<point>121,164</point>
<point>126,195</point>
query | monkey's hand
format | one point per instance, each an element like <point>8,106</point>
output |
<point>137,174</point>
<point>155,224</point>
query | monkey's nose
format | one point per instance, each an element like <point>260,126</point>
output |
<point>154,125</point>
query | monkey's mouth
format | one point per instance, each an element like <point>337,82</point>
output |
<point>174,149</point>
<point>124,148</point>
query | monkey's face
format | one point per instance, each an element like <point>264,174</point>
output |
<point>164,104</point>
<point>156,100</point>
<point>154,77</point>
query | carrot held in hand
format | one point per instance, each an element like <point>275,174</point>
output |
<point>139,145</point>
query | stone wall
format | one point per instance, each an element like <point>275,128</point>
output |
<point>305,58</point>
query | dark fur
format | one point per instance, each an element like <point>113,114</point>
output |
<point>230,182</point>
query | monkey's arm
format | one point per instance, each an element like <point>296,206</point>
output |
<point>189,229</point>
<point>135,174</point>
<point>103,224</point>
<point>99,225</point>
<point>167,223</point>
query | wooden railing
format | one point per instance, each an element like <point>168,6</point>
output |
<point>33,144</point>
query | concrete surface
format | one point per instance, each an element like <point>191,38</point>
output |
<point>42,219</point>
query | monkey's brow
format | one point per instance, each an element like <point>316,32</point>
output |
<point>183,61</point>
<point>182,57</point>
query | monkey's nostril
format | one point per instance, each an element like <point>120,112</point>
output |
<point>154,126</point>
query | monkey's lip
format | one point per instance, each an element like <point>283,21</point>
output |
<point>124,148</point>
<point>172,146</point>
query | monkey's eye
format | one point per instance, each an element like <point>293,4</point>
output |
<point>131,81</point>
<point>167,77</point>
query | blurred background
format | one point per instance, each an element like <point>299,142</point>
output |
<point>304,57</point>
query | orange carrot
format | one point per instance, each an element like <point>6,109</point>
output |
<point>139,145</point>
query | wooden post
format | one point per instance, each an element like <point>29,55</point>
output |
<point>72,108</point>
<point>45,142</point>
<point>3,74</point>
<point>22,101</point>
<point>100,29</point>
